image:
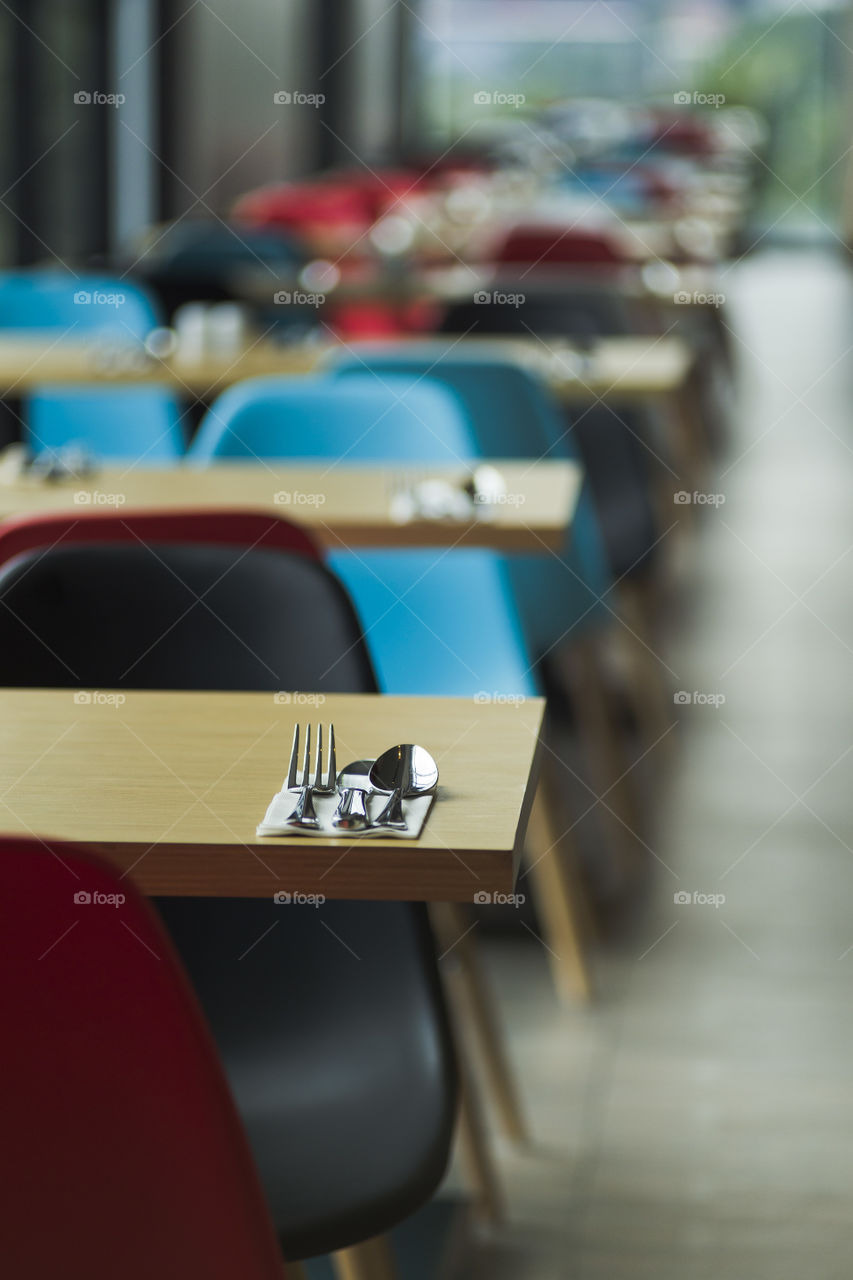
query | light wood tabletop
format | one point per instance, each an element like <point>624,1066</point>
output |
<point>342,505</point>
<point>613,368</point>
<point>632,366</point>
<point>172,785</point>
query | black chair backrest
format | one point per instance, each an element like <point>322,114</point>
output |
<point>178,617</point>
<point>582,313</point>
<point>618,449</point>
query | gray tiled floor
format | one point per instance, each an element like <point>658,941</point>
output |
<point>698,1121</point>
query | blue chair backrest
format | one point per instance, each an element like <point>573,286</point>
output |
<point>321,418</point>
<point>512,414</point>
<point>116,424</point>
<point>58,300</point>
<point>435,622</point>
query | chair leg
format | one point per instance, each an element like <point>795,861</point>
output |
<point>606,754</point>
<point>692,433</point>
<point>649,692</point>
<point>472,1131</point>
<point>560,899</point>
<point>372,1260</point>
<point>476,1150</point>
<point>452,925</point>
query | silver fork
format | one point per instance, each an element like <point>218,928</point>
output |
<point>304,814</point>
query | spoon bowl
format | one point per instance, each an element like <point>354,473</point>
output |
<point>407,768</point>
<point>406,771</point>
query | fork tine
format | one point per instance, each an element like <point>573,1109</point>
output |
<point>318,757</point>
<point>306,759</point>
<point>333,768</point>
<point>294,759</point>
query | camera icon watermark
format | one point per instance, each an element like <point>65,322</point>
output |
<point>682,498</point>
<point>97,498</point>
<point>85,298</point>
<point>697,899</point>
<point>500,499</point>
<point>484,898</point>
<point>499,699</point>
<point>497,98</point>
<point>698,699</point>
<point>287,698</point>
<point>283,898</point>
<point>296,298</point>
<point>95,98</point>
<point>695,98</point>
<point>95,698</point>
<point>698,299</point>
<point>296,498</point>
<point>84,898</point>
<point>296,98</point>
<point>495,298</point>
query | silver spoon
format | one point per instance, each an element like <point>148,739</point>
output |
<point>353,783</point>
<point>405,771</point>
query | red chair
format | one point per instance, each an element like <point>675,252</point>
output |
<point>223,528</point>
<point>680,133</point>
<point>301,206</point>
<point>123,1152</point>
<point>347,198</point>
<point>557,246</point>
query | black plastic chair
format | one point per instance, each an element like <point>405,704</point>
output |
<point>617,447</point>
<point>330,1021</point>
<point>206,260</point>
<point>580,310</point>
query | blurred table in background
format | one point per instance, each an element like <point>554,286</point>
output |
<point>635,366</point>
<point>341,505</point>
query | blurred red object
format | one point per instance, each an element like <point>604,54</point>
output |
<point>383,320</point>
<point>124,1153</point>
<point>555,245</point>
<point>343,205</point>
<point>683,133</point>
<point>219,527</point>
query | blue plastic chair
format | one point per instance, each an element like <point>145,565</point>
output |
<point>84,305</point>
<point>116,424</point>
<point>511,414</point>
<point>435,622</point>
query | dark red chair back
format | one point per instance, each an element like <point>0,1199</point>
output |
<point>223,528</point>
<point>555,246</point>
<point>123,1152</point>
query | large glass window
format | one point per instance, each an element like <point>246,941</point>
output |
<point>475,66</point>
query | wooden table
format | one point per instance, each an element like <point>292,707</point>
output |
<point>172,785</point>
<point>341,505</point>
<point>632,366</point>
<point>614,368</point>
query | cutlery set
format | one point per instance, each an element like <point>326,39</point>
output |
<point>438,498</point>
<point>391,794</point>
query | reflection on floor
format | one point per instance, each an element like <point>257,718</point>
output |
<point>698,1121</point>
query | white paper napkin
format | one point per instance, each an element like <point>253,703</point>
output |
<point>415,812</point>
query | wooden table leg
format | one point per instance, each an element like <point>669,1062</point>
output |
<point>606,754</point>
<point>648,690</point>
<point>372,1260</point>
<point>692,434</point>
<point>453,926</point>
<point>476,1149</point>
<point>560,898</point>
